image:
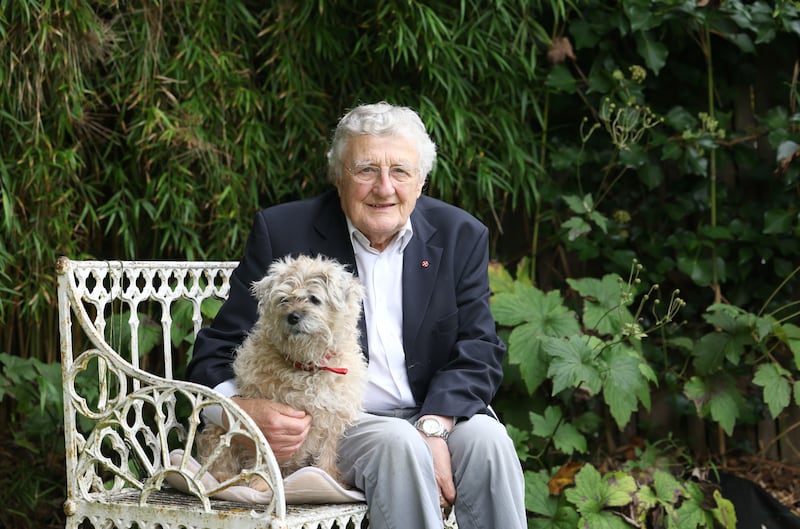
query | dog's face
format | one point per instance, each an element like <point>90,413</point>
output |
<point>305,302</point>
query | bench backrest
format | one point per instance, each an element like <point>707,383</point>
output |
<point>143,310</point>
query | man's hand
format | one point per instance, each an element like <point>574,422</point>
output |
<point>442,467</point>
<point>284,427</point>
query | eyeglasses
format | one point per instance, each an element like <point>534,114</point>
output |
<point>369,174</point>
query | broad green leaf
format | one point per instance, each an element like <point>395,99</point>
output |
<point>500,281</point>
<point>569,440</point>
<point>716,397</point>
<point>593,492</point>
<point>698,268</point>
<point>513,308</point>
<point>790,335</point>
<point>624,381</point>
<point>724,512</point>
<point>545,425</point>
<point>565,436</point>
<point>621,488</point>
<point>644,501</point>
<point>777,390</point>
<point>599,219</point>
<point>579,205</point>
<point>572,365</point>
<point>603,520</point>
<point>546,312</point>
<point>604,302</point>
<point>210,306</point>
<point>691,513</point>
<point>667,488</point>
<point>588,494</point>
<point>576,228</point>
<point>711,351</point>
<point>537,495</point>
<point>724,407</point>
<point>634,156</point>
<point>525,350</point>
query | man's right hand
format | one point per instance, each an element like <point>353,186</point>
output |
<point>284,427</point>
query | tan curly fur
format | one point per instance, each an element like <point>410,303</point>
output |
<point>308,315</point>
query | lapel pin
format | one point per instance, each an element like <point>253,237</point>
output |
<point>425,264</point>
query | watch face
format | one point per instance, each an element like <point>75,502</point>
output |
<point>431,426</point>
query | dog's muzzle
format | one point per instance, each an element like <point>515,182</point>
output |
<point>293,318</point>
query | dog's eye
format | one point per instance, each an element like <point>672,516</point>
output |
<point>283,301</point>
<point>315,300</point>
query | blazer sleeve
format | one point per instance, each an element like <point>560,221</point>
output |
<point>216,344</point>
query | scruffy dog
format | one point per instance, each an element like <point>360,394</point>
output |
<point>303,351</point>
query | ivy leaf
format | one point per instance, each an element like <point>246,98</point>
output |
<point>572,364</point>
<point>653,52</point>
<point>560,79</point>
<point>777,390</point>
<point>778,221</point>
<point>641,15</point>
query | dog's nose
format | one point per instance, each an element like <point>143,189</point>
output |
<point>293,318</point>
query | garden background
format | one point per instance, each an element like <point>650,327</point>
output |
<point>636,162</point>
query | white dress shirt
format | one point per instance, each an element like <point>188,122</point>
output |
<point>381,273</point>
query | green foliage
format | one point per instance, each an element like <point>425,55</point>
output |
<point>594,352</point>
<point>146,129</point>
<point>35,389</point>
<point>620,500</point>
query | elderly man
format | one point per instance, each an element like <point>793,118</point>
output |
<point>428,439</point>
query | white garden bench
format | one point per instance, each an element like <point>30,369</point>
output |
<point>124,412</point>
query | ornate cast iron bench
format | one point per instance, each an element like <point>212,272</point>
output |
<point>126,409</point>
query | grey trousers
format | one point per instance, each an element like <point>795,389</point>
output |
<point>388,459</point>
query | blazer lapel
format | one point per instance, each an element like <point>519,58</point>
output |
<point>334,242</point>
<point>331,227</point>
<point>421,261</point>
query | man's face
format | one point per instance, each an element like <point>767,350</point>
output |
<point>380,185</point>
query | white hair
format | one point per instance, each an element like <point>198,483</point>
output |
<point>380,119</point>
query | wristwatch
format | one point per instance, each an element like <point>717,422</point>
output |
<point>432,428</point>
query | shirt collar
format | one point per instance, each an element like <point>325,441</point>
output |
<point>399,243</point>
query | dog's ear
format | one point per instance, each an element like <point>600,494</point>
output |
<point>261,288</point>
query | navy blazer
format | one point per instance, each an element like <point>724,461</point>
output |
<point>453,354</point>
